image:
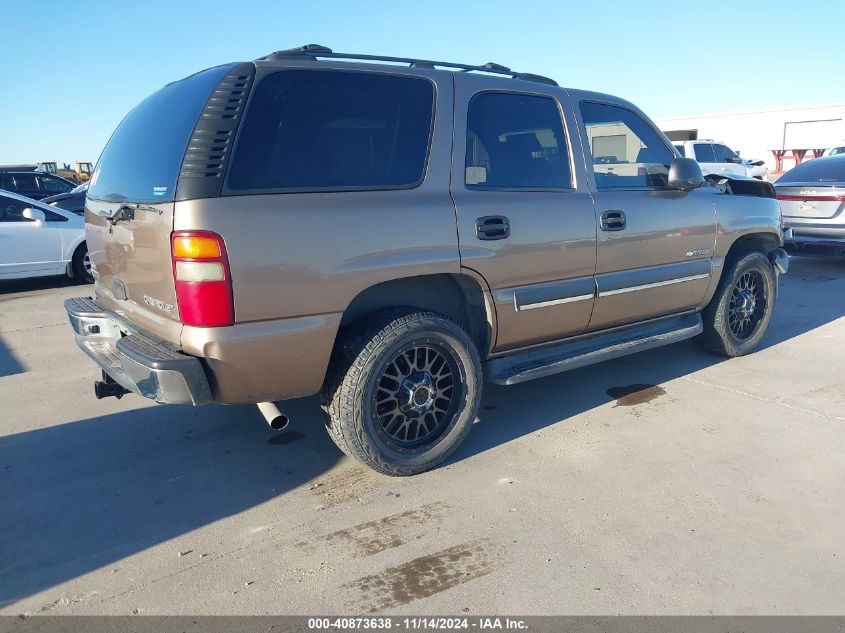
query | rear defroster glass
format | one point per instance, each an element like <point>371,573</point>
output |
<point>141,160</point>
<point>830,170</point>
<point>327,130</point>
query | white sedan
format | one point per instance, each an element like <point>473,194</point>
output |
<point>37,240</point>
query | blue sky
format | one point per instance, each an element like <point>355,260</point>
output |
<point>71,70</point>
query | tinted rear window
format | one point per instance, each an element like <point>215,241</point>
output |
<point>318,130</point>
<point>515,141</point>
<point>817,170</point>
<point>142,159</point>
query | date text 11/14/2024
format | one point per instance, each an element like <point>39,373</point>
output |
<point>416,623</point>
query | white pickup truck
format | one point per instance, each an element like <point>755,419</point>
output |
<point>717,158</point>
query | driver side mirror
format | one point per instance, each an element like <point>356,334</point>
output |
<point>34,214</point>
<point>685,174</point>
<point>733,159</point>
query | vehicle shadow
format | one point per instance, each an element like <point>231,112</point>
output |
<point>9,364</point>
<point>32,284</point>
<point>811,295</point>
<point>78,496</point>
<point>81,495</point>
<point>17,289</point>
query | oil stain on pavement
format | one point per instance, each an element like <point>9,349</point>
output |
<point>635,394</point>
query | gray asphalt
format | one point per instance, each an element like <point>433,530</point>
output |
<point>717,488</point>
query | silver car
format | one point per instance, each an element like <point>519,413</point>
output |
<point>812,201</point>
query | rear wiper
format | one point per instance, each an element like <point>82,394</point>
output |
<point>126,212</point>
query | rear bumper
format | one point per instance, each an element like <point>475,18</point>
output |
<point>797,242</point>
<point>138,361</point>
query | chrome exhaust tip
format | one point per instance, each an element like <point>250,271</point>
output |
<point>275,418</point>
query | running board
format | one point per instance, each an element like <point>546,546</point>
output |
<point>597,348</point>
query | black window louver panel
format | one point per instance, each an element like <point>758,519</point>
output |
<point>211,143</point>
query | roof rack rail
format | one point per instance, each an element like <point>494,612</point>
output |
<point>313,51</point>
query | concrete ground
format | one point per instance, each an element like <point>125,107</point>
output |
<point>719,487</point>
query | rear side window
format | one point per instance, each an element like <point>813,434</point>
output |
<point>704,153</point>
<point>330,130</point>
<point>627,151</point>
<point>24,182</point>
<point>142,159</point>
<point>515,141</point>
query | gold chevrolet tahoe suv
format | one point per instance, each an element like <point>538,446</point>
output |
<point>386,231</point>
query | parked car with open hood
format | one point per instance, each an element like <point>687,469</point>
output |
<point>379,229</point>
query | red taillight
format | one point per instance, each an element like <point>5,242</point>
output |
<point>812,198</point>
<point>203,281</point>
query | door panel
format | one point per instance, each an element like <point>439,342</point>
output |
<point>660,262</point>
<point>655,244</point>
<point>541,274</point>
<point>29,246</point>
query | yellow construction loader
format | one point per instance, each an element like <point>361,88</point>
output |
<point>81,174</point>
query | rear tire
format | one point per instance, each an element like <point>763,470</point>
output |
<point>737,317</point>
<point>81,264</point>
<point>403,391</point>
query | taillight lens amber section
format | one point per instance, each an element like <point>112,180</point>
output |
<point>196,247</point>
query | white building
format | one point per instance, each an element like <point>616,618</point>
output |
<point>756,134</point>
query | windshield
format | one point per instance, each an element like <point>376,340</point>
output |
<point>142,159</point>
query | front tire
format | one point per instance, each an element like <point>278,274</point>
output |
<point>737,317</point>
<point>403,391</point>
